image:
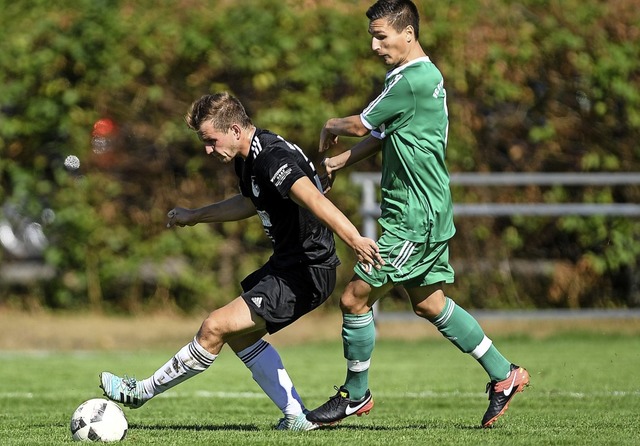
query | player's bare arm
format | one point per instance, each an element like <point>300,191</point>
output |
<point>334,127</point>
<point>232,209</point>
<point>364,149</point>
<point>305,194</point>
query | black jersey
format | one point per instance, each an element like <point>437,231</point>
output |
<point>266,176</point>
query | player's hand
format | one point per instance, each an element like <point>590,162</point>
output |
<point>327,175</point>
<point>368,253</point>
<point>327,140</point>
<point>180,217</point>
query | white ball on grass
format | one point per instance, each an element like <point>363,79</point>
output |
<point>98,419</point>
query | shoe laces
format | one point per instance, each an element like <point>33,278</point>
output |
<point>285,422</point>
<point>129,383</point>
<point>490,388</point>
<point>289,422</point>
<point>335,400</point>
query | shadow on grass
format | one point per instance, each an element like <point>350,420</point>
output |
<point>399,427</point>
<point>253,428</point>
<point>194,427</point>
<point>416,426</point>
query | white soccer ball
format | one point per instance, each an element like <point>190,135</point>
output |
<point>98,419</point>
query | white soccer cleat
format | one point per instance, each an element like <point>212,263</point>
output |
<point>296,423</point>
<point>126,391</point>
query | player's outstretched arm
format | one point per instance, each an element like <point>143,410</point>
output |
<point>305,194</point>
<point>329,167</point>
<point>234,208</point>
<point>334,127</point>
<point>362,150</point>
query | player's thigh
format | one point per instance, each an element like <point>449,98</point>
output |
<point>232,320</point>
<point>359,296</point>
<point>427,301</point>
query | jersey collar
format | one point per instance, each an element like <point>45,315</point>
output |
<point>256,147</point>
<point>408,64</point>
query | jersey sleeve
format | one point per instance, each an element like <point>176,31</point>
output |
<point>280,167</point>
<point>390,106</point>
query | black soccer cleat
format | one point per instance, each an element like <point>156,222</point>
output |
<point>339,407</point>
<point>501,393</point>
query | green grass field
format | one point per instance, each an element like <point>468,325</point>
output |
<point>585,390</point>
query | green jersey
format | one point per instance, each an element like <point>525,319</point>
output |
<point>410,117</point>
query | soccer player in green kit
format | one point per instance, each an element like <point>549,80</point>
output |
<point>408,122</point>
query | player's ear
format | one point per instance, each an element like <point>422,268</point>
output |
<point>237,131</point>
<point>409,33</point>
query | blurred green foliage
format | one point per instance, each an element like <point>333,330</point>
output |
<point>531,88</point>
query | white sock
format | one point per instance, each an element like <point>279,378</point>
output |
<point>268,371</point>
<point>191,360</point>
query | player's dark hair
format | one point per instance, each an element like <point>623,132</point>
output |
<point>399,13</point>
<point>222,109</point>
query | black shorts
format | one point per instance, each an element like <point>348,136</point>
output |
<point>281,297</point>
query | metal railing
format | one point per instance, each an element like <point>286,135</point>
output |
<point>370,208</point>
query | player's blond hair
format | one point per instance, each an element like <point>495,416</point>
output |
<point>221,109</point>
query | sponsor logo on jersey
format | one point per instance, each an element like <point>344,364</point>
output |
<point>439,89</point>
<point>257,301</point>
<point>264,217</point>
<point>281,174</point>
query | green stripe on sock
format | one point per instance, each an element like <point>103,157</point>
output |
<point>358,341</point>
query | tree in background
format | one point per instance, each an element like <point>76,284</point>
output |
<point>531,88</point>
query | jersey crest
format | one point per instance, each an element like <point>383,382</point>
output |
<point>254,187</point>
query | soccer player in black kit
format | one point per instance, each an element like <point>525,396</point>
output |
<point>281,185</point>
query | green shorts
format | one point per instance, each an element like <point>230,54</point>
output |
<point>409,264</point>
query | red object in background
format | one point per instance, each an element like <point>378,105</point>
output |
<point>104,127</point>
<point>103,143</point>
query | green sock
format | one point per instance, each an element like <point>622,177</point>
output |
<point>465,333</point>
<point>358,340</point>
<point>495,364</point>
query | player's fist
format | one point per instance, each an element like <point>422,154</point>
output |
<point>180,217</point>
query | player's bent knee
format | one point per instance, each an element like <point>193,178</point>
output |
<point>210,335</point>
<point>354,306</point>
<point>356,298</point>
<point>428,309</point>
<point>430,306</point>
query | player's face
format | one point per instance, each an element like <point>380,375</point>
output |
<point>222,145</point>
<point>386,42</point>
